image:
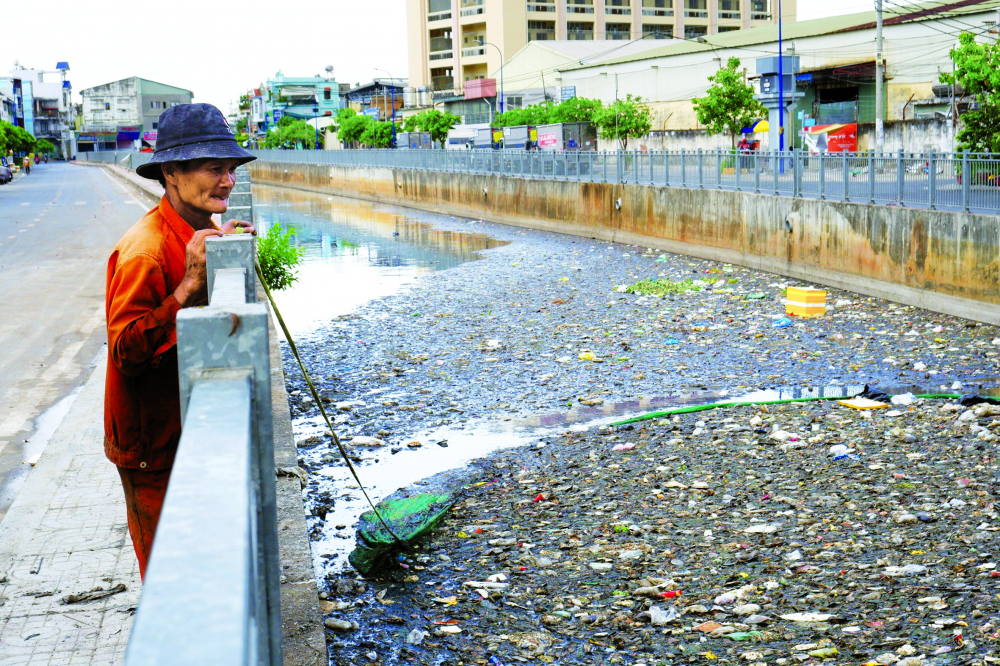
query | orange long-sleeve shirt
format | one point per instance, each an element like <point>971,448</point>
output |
<point>142,415</point>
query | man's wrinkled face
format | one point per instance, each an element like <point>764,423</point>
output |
<point>203,184</point>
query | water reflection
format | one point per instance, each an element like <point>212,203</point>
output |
<point>355,251</point>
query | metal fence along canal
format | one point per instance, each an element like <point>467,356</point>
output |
<point>936,181</point>
<point>918,180</point>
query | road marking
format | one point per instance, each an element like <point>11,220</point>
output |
<point>137,203</point>
<point>25,203</point>
<point>32,224</point>
<point>130,203</point>
<point>81,203</point>
<point>10,237</point>
<point>21,231</point>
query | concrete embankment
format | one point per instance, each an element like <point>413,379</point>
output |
<point>939,260</point>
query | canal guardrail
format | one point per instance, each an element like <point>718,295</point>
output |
<point>935,181</point>
<point>211,592</point>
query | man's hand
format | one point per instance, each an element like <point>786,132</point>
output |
<point>238,227</point>
<point>195,283</point>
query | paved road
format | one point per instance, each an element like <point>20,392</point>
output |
<point>57,228</point>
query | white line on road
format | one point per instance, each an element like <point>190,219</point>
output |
<point>10,237</point>
<point>81,203</point>
<point>26,203</point>
<point>137,203</point>
<point>131,203</point>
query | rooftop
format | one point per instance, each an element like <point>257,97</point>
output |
<point>767,34</point>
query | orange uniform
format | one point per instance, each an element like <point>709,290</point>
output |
<point>142,415</point>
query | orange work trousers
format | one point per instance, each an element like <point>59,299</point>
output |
<point>144,493</point>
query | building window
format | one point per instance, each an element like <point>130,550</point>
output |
<point>658,31</point>
<point>514,102</point>
<point>579,30</point>
<point>695,31</point>
<point>155,125</point>
<point>657,7</point>
<point>326,94</point>
<point>580,6</point>
<point>728,28</point>
<point>541,30</point>
<point>617,31</point>
<point>760,10</point>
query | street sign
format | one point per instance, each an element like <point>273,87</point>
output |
<point>567,92</point>
<point>373,112</point>
<point>277,114</point>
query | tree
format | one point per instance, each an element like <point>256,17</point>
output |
<point>17,139</point>
<point>729,104</point>
<point>438,123</point>
<point>44,147</point>
<point>977,70</point>
<point>289,133</point>
<point>625,119</point>
<point>352,127</point>
<point>377,135</point>
<point>576,110</point>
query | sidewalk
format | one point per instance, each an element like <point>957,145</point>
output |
<point>66,534</point>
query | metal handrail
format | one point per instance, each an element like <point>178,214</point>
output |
<point>211,592</point>
<point>917,180</point>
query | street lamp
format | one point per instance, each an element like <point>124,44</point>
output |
<point>316,125</point>
<point>485,43</point>
<point>392,102</point>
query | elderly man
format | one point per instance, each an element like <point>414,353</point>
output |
<point>156,269</point>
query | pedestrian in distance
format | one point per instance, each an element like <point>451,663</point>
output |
<point>27,166</point>
<point>158,268</point>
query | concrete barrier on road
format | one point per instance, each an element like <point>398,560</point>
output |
<point>943,261</point>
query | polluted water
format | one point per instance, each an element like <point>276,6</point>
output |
<point>791,533</point>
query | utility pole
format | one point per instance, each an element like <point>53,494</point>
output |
<point>879,80</point>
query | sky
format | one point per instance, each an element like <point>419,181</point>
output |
<point>220,49</point>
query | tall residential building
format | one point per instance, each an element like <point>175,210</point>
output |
<point>454,41</point>
<point>124,113</point>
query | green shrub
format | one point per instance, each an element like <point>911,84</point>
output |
<point>277,257</point>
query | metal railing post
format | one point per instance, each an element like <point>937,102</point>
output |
<point>871,176</point>
<point>635,166</point>
<point>736,170</point>
<point>900,177</point>
<point>822,176</point>
<point>701,179</point>
<point>604,158</point>
<point>931,179</point>
<point>966,181</point>
<point>774,172</point>
<point>756,173</point>
<point>683,169</point>
<point>797,169</point>
<point>846,176</point>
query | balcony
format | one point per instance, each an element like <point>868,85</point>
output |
<point>442,83</point>
<point>658,12</point>
<point>541,7</point>
<point>474,51</point>
<point>617,11</point>
<point>541,35</point>
<point>730,15</point>
<point>580,34</point>
<point>760,16</point>
<point>614,36</point>
<point>472,8</point>
<point>441,55</point>
<point>440,44</point>
<point>580,7</point>
<point>439,16</point>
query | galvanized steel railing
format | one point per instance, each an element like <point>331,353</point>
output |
<point>919,180</point>
<point>211,590</point>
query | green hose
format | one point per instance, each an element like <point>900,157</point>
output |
<point>736,403</point>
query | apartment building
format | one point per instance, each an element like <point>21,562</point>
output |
<point>454,41</point>
<point>124,113</point>
<point>40,104</point>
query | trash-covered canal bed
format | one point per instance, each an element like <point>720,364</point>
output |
<point>731,536</point>
<point>544,341</point>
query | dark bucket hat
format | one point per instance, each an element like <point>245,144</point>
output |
<point>191,132</point>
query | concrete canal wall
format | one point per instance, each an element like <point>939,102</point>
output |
<point>943,261</point>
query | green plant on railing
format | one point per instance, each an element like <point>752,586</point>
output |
<point>728,163</point>
<point>278,258</point>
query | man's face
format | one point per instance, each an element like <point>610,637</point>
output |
<point>203,184</point>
